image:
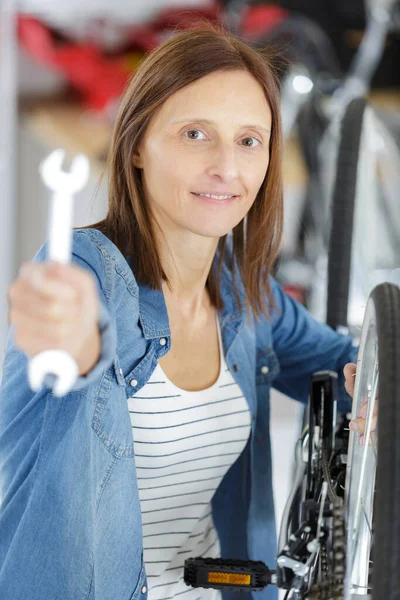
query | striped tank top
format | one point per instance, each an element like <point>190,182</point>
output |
<point>185,442</point>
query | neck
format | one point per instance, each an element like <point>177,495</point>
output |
<point>187,270</point>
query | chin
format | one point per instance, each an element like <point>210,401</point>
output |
<point>210,230</point>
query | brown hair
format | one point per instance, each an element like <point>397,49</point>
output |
<point>181,60</point>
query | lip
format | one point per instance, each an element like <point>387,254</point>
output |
<point>225,202</point>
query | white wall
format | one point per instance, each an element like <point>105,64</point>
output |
<point>33,197</point>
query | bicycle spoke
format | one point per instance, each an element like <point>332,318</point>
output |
<point>365,451</point>
<point>374,446</point>
<point>367,520</point>
<point>362,587</point>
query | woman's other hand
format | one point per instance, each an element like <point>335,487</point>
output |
<point>358,424</point>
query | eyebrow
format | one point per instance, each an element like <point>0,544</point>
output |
<point>213,123</point>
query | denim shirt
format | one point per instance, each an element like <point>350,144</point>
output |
<point>70,519</point>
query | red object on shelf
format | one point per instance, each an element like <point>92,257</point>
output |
<point>102,77</point>
<point>261,18</point>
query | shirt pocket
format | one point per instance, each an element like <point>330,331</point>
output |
<point>110,420</point>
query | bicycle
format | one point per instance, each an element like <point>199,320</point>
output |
<point>334,521</point>
<point>355,171</point>
<point>353,159</point>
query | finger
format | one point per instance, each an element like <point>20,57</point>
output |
<point>29,327</point>
<point>42,311</point>
<point>33,345</point>
<point>349,388</point>
<point>349,372</point>
<point>72,274</point>
<point>361,440</point>
<point>56,273</point>
<point>28,333</point>
<point>58,301</point>
<point>358,425</point>
<point>364,409</point>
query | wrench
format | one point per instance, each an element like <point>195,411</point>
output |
<point>63,185</point>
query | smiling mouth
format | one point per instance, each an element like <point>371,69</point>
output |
<point>216,196</point>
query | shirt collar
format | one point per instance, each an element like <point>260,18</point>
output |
<point>153,313</point>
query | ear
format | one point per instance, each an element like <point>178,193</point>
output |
<point>137,159</point>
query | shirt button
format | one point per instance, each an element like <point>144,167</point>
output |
<point>163,341</point>
<point>144,589</point>
<point>264,369</point>
<point>121,372</point>
<point>134,382</point>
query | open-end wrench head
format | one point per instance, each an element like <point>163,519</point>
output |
<point>61,181</point>
<point>53,362</point>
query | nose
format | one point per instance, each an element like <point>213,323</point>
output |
<point>224,163</point>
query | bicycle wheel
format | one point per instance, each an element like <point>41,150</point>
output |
<point>342,211</point>
<point>373,518</point>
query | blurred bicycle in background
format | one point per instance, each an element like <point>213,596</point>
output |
<point>348,235</point>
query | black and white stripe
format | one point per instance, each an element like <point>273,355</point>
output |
<point>185,442</point>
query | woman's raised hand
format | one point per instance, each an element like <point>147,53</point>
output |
<point>55,306</point>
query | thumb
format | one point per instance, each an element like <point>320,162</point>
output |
<point>349,370</point>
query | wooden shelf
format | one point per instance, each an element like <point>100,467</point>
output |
<point>388,99</point>
<point>294,169</point>
<point>63,123</point>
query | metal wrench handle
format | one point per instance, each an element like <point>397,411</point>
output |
<point>60,227</point>
<point>58,362</point>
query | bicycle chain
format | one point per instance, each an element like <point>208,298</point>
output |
<point>324,561</point>
<point>332,587</point>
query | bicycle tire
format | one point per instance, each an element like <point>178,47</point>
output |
<point>386,517</point>
<point>342,215</point>
<point>386,572</point>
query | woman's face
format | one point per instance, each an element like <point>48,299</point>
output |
<point>211,137</point>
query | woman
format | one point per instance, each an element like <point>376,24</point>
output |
<point>161,451</point>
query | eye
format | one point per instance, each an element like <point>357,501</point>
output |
<point>194,131</point>
<point>247,139</point>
